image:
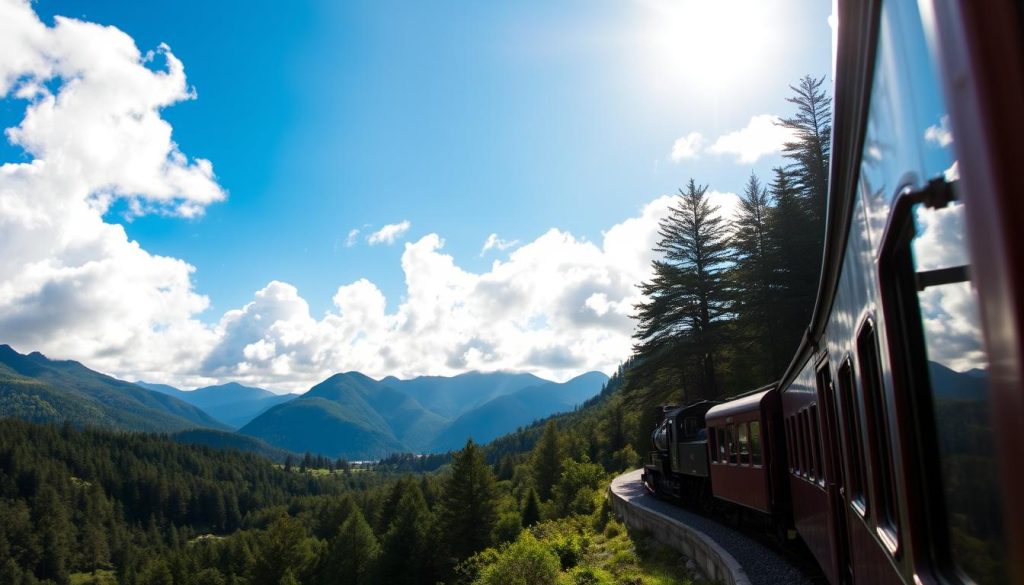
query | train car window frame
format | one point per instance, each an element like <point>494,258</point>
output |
<point>853,437</point>
<point>755,444</point>
<point>816,443</point>
<point>908,344</point>
<point>883,479</point>
<point>790,457</point>
<point>730,437</point>
<point>743,440</point>
<point>689,427</point>
<point>805,441</point>
<point>712,445</point>
<point>722,455</point>
<point>798,452</point>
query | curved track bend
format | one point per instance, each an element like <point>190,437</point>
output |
<point>723,554</point>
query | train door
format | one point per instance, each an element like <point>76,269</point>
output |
<point>834,477</point>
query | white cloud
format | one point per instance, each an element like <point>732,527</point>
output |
<point>727,202</point>
<point>940,135</point>
<point>388,234</point>
<point>494,242</point>
<point>761,137</point>
<point>557,306</point>
<point>70,284</point>
<point>687,146</point>
<point>74,286</point>
<point>350,240</point>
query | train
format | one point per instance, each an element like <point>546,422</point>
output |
<point>893,444</point>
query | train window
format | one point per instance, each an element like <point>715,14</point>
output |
<point>755,443</point>
<point>805,443</point>
<point>744,444</point>
<point>689,427</point>
<point>712,448</point>
<point>878,435</point>
<point>852,437</point>
<point>933,321</point>
<point>816,444</point>
<point>812,461</point>
<point>790,459</point>
<point>730,437</point>
<point>721,445</point>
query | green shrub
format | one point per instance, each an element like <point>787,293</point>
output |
<point>569,549</point>
<point>526,561</point>
<point>508,527</point>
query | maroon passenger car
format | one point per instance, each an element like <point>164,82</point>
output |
<point>904,406</point>
<point>745,442</point>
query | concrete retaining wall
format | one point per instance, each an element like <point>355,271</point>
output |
<point>710,558</point>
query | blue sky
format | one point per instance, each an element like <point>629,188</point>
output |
<point>462,119</point>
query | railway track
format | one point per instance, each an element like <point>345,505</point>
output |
<point>730,555</point>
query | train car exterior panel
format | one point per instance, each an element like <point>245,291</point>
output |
<point>811,518</point>
<point>895,387</point>
<point>741,462</point>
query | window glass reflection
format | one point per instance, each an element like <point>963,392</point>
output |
<point>958,375</point>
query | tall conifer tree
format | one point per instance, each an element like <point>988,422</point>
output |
<point>548,454</point>
<point>405,556</point>
<point>352,554</point>
<point>751,278</point>
<point>688,300</point>
<point>795,261</point>
<point>809,151</point>
<point>468,508</point>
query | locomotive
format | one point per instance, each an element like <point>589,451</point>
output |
<point>892,444</point>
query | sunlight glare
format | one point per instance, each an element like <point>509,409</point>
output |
<point>713,44</point>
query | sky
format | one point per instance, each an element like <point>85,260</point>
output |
<point>196,192</point>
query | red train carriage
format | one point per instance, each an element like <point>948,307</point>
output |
<point>745,442</point>
<point>904,405</point>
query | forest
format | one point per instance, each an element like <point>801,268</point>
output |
<point>726,308</point>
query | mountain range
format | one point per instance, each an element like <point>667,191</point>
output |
<point>231,403</point>
<point>347,415</point>
<point>39,389</point>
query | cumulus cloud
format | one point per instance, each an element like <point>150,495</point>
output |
<point>728,203</point>
<point>939,135</point>
<point>388,234</point>
<point>495,243</point>
<point>687,147</point>
<point>950,311</point>
<point>761,137</point>
<point>71,284</point>
<point>75,286</point>
<point>557,306</point>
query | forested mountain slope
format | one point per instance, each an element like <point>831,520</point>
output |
<point>33,387</point>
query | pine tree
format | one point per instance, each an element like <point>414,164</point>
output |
<point>531,509</point>
<point>795,262</point>
<point>751,278</point>
<point>353,554</point>
<point>404,558</point>
<point>548,454</point>
<point>809,152</point>
<point>283,547</point>
<point>688,302</point>
<point>468,508</point>
<point>390,505</point>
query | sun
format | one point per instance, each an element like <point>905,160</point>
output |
<point>712,43</point>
